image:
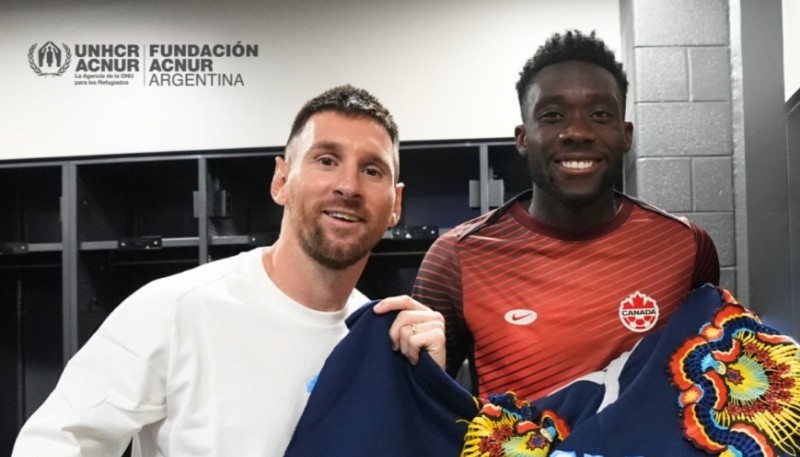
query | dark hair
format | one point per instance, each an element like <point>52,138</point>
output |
<point>572,45</point>
<point>348,100</point>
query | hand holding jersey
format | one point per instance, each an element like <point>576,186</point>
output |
<point>415,328</point>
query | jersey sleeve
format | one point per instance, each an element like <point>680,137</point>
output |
<point>438,285</point>
<point>706,264</point>
<point>110,389</point>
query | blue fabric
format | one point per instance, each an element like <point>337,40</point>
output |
<point>645,419</point>
<point>369,400</point>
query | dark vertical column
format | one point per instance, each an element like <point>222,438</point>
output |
<point>11,393</point>
<point>69,239</point>
<point>766,162</point>
<point>793,152</point>
<point>201,209</point>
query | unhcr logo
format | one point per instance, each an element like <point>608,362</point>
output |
<point>48,59</point>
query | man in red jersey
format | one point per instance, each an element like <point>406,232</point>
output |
<point>563,279</point>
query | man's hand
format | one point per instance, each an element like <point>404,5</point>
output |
<point>416,327</point>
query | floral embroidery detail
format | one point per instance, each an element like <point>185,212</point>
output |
<point>739,383</point>
<point>505,427</point>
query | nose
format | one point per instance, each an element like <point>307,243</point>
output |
<point>348,184</point>
<point>578,131</point>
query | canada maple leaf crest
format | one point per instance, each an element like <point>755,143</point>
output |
<point>638,312</point>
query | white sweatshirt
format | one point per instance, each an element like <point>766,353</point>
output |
<point>215,361</point>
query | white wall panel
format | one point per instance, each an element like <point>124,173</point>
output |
<point>446,68</point>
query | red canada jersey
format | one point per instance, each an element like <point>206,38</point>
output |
<point>535,308</point>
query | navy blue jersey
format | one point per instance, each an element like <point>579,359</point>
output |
<point>663,398</point>
<point>644,418</point>
<point>370,400</point>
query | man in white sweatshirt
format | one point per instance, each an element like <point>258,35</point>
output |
<point>220,360</point>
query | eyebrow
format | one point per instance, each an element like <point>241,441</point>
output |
<point>603,97</point>
<point>333,147</point>
<point>325,146</point>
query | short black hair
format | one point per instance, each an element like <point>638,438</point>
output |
<point>349,100</point>
<point>572,45</point>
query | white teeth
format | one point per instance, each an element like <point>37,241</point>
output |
<point>577,164</point>
<point>347,217</point>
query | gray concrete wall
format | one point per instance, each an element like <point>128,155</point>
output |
<point>682,160</point>
<point>710,137</point>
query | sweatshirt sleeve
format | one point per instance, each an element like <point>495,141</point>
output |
<point>113,386</point>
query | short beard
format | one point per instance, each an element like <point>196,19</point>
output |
<point>316,246</point>
<point>575,202</point>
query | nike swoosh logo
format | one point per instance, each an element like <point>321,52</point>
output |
<point>520,316</point>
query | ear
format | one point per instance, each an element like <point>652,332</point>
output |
<point>394,218</point>
<point>628,136</point>
<point>279,179</point>
<point>521,138</point>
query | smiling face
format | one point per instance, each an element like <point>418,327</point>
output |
<point>338,188</point>
<point>574,135</point>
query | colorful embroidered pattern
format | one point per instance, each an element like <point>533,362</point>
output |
<point>505,427</point>
<point>740,386</point>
